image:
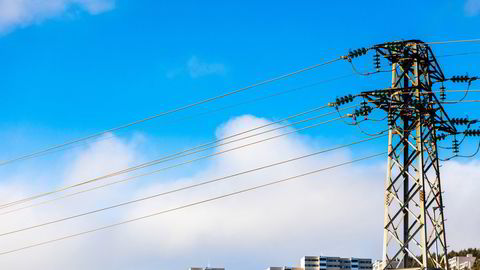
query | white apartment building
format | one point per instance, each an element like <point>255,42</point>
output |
<point>284,268</point>
<point>206,268</point>
<point>335,263</point>
<point>461,263</point>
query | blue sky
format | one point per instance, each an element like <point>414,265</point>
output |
<point>117,66</point>
<point>71,68</point>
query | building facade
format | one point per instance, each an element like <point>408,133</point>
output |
<point>461,262</point>
<point>284,268</point>
<point>206,268</point>
<point>335,263</point>
<point>329,263</point>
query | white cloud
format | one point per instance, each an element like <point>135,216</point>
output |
<point>106,156</point>
<point>197,68</point>
<point>337,212</point>
<point>21,13</point>
<point>461,182</point>
<point>472,7</point>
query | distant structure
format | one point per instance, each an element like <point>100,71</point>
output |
<point>329,263</point>
<point>284,268</point>
<point>335,263</point>
<point>461,262</point>
<point>206,268</point>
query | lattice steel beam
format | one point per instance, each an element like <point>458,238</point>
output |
<point>414,227</point>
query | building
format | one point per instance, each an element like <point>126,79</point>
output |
<point>284,268</point>
<point>329,263</point>
<point>335,263</point>
<point>206,268</point>
<point>361,263</point>
<point>461,262</point>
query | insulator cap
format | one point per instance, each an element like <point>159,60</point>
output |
<point>472,133</point>
<point>357,53</point>
<point>364,111</point>
<point>462,121</point>
<point>394,46</point>
<point>443,95</point>
<point>380,93</point>
<point>455,146</point>
<point>341,101</point>
<point>458,79</point>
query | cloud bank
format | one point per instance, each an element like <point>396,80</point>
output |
<point>21,13</point>
<point>337,212</point>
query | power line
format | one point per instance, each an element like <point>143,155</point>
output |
<point>459,101</point>
<point>177,154</point>
<point>457,54</point>
<point>461,156</point>
<point>182,108</point>
<point>356,71</point>
<point>460,91</point>
<point>250,101</point>
<point>437,91</point>
<point>186,187</point>
<point>171,157</point>
<point>189,205</point>
<point>164,168</point>
<point>455,41</point>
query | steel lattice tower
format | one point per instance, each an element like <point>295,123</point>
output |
<point>414,228</point>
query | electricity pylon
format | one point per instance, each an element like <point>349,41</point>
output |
<point>414,223</point>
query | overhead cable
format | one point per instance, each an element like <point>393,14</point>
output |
<point>171,157</point>
<point>455,41</point>
<point>249,101</point>
<point>182,108</point>
<point>186,187</point>
<point>189,205</point>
